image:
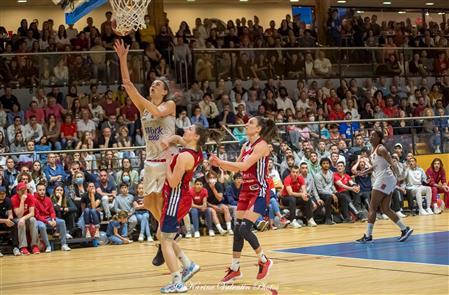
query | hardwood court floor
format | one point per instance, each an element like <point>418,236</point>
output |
<point>127,269</point>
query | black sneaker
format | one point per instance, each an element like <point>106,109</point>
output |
<point>407,232</point>
<point>329,221</point>
<point>364,239</point>
<point>158,260</point>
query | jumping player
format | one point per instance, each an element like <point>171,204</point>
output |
<point>384,183</point>
<point>254,195</point>
<point>158,116</point>
<point>178,201</point>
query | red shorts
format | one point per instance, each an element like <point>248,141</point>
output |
<point>177,204</point>
<point>257,200</point>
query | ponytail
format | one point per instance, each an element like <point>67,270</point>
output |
<point>269,130</point>
<point>120,214</point>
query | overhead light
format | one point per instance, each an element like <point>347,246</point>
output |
<point>360,11</point>
<point>430,3</point>
<point>243,0</point>
<point>427,13</point>
<point>440,13</point>
<point>341,1</point>
<point>386,3</point>
<point>22,1</point>
<point>190,0</point>
<point>294,0</point>
<point>401,12</point>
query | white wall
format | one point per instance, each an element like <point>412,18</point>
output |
<point>10,16</point>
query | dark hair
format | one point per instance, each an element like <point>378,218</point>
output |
<point>198,180</point>
<point>123,185</point>
<point>237,175</point>
<point>295,167</point>
<point>325,160</point>
<point>436,160</point>
<point>380,134</point>
<point>269,130</point>
<point>203,133</point>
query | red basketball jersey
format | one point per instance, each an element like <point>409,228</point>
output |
<point>257,174</point>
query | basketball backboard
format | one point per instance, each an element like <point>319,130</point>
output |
<point>76,9</point>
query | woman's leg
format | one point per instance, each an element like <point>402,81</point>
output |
<point>385,206</point>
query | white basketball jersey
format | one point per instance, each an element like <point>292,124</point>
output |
<point>381,168</point>
<point>154,129</point>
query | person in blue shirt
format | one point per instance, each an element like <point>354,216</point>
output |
<point>347,129</point>
<point>54,173</point>
<point>232,191</point>
<point>117,231</point>
<point>199,117</point>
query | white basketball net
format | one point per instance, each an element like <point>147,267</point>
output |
<point>129,14</point>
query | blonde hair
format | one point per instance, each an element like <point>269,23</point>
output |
<point>121,214</point>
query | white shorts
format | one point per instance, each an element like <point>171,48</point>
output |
<point>385,184</point>
<point>154,177</point>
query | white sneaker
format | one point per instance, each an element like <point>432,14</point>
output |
<point>230,232</point>
<point>211,233</point>
<point>400,214</point>
<point>88,236</point>
<point>311,223</point>
<point>48,249</point>
<point>16,252</point>
<point>295,224</point>
<point>150,239</point>
<point>65,247</point>
<point>423,212</point>
<point>141,238</point>
<point>437,150</point>
<point>222,232</point>
<point>68,236</point>
<point>1,254</point>
<point>384,216</point>
<point>429,211</point>
<point>188,235</point>
<point>196,235</point>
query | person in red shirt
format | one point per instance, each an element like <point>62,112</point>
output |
<point>199,207</point>
<point>294,196</point>
<point>46,218</point>
<point>110,106</point>
<point>23,207</point>
<point>337,113</point>
<point>347,193</point>
<point>437,181</point>
<point>68,132</point>
<point>390,110</point>
<point>54,108</point>
<point>34,110</point>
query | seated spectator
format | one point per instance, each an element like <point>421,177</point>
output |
<point>415,178</point>
<point>23,207</point>
<point>117,231</point>
<point>199,208</point>
<point>239,132</point>
<point>97,111</point>
<point>317,203</point>
<point>33,130</point>
<point>7,220</point>
<point>215,201</point>
<point>199,117</point>
<point>34,110</point>
<point>54,172</point>
<point>108,191</point>
<point>363,179</point>
<point>348,194</point>
<point>209,109</point>
<point>90,202</point>
<point>106,139</point>
<point>438,183</point>
<point>64,206</point>
<point>69,132</point>
<point>322,65</point>
<point>46,218</point>
<point>142,215</point>
<point>37,173</point>
<point>85,124</point>
<point>54,108</point>
<point>294,196</point>
<point>124,202</point>
<point>15,128</point>
<point>16,112</point>
<point>52,131</point>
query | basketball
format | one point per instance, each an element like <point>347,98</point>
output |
<point>114,29</point>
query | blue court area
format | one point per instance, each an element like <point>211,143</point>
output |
<point>431,248</point>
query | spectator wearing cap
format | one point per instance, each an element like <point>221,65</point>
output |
<point>23,207</point>
<point>399,150</point>
<point>46,218</point>
<point>7,219</point>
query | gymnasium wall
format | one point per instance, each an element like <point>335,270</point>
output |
<point>425,160</point>
<point>10,16</point>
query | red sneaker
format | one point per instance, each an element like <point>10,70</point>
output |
<point>231,276</point>
<point>264,269</point>
<point>35,250</point>
<point>24,251</point>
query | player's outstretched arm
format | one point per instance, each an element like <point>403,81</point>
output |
<point>260,151</point>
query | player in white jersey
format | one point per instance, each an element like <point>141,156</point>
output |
<point>158,116</point>
<point>384,182</point>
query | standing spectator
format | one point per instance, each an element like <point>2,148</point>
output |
<point>438,183</point>
<point>199,207</point>
<point>294,195</point>
<point>54,172</point>
<point>23,206</point>
<point>46,218</point>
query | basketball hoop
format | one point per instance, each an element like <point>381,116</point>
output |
<point>129,14</point>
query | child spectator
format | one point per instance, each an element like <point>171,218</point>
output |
<point>117,231</point>
<point>199,207</point>
<point>142,215</point>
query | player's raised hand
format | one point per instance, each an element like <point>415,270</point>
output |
<point>121,49</point>
<point>214,160</point>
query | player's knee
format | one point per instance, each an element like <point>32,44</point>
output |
<point>168,236</point>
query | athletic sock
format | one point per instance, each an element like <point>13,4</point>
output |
<point>235,265</point>
<point>401,225</point>
<point>220,229</point>
<point>176,277</point>
<point>369,229</point>
<point>262,257</point>
<point>228,225</point>
<point>184,260</point>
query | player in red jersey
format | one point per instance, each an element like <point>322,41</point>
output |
<point>254,194</point>
<point>177,203</point>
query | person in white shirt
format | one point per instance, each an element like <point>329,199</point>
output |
<point>85,124</point>
<point>14,128</point>
<point>283,102</point>
<point>97,111</point>
<point>183,120</point>
<point>415,177</point>
<point>33,130</point>
<point>303,102</point>
<point>322,65</point>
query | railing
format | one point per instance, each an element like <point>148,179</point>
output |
<point>101,67</point>
<point>300,63</point>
